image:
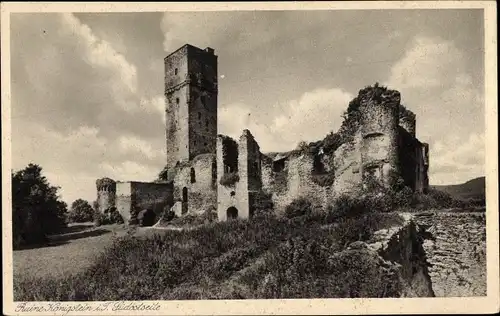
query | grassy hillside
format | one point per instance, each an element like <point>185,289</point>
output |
<point>472,189</point>
<point>263,258</point>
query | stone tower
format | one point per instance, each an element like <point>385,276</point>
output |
<point>379,131</point>
<point>191,103</point>
<point>106,194</point>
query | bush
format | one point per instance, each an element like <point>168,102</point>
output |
<point>110,216</point>
<point>230,178</point>
<point>298,207</point>
<point>81,212</point>
<point>262,203</point>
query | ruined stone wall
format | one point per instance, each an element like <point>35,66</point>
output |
<point>347,166</point>
<point>455,245</point>
<point>106,194</point>
<point>124,203</point>
<point>407,121</point>
<point>294,181</point>
<point>379,129</point>
<point>139,196</point>
<point>197,178</point>
<point>237,197</point>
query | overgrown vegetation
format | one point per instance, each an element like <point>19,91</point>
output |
<point>110,216</point>
<point>37,210</point>
<point>267,257</point>
<point>229,178</point>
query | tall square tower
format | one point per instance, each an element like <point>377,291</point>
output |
<point>191,103</point>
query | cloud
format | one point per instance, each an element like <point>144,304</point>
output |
<point>76,107</point>
<point>309,118</point>
<point>456,160</point>
<point>437,85</point>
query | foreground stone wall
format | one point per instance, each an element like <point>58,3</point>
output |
<point>455,246</point>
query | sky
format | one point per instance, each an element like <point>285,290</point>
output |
<point>87,88</point>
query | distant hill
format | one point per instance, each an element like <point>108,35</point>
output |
<point>472,189</point>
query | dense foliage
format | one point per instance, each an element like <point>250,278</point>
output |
<point>37,210</point>
<point>229,178</point>
<point>81,212</point>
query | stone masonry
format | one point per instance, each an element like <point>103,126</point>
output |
<point>208,171</point>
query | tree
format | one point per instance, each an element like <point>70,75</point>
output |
<point>81,212</point>
<point>36,208</point>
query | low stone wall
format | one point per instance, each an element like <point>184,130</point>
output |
<point>455,245</point>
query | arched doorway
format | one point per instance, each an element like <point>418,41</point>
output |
<point>147,217</point>
<point>232,213</point>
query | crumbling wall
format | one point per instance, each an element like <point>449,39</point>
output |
<point>194,184</point>
<point>133,197</point>
<point>379,129</point>
<point>124,202</point>
<point>235,198</point>
<point>407,120</point>
<point>347,165</point>
<point>106,194</point>
<point>455,245</point>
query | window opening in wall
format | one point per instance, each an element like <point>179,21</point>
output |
<point>184,194</point>
<point>199,115</point>
<point>177,100</point>
<point>176,71</point>
<point>193,176</point>
<point>279,165</point>
<point>232,213</point>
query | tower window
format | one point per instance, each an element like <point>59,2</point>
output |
<point>176,71</point>
<point>193,177</point>
<point>199,115</point>
<point>206,122</point>
<point>177,100</point>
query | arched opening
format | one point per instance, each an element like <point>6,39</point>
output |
<point>146,217</point>
<point>184,194</point>
<point>232,213</point>
<point>193,176</point>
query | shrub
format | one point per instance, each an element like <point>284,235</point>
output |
<point>262,203</point>
<point>229,178</point>
<point>298,207</point>
<point>110,216</point>
<point>81,212</point>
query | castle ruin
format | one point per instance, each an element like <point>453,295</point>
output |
<point>206,171</point>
